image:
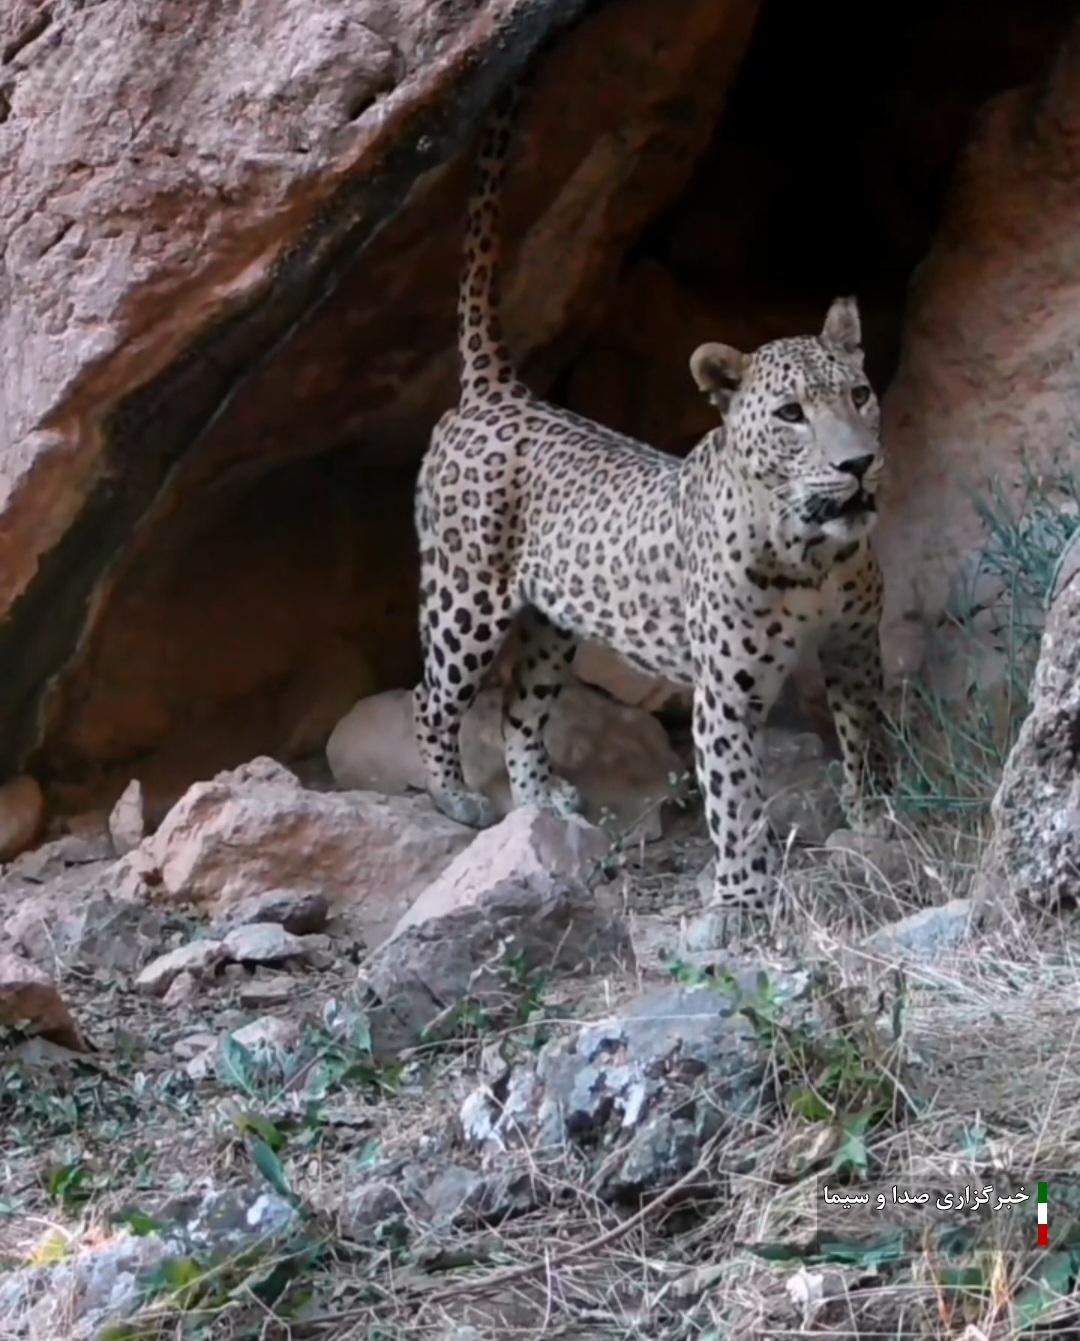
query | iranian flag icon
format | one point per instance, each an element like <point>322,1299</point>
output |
<point>1043,1239</point>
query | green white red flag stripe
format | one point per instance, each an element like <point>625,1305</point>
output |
<point>1043,1225</point>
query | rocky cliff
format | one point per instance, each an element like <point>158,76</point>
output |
<point>230,240</point>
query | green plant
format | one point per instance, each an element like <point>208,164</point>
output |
<point>521,1007</point>
<point>950,751</point>
<point>844,1075</point>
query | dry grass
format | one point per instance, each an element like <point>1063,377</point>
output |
<point>985,1074</point>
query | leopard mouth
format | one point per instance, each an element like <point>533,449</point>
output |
<point>858,505</point>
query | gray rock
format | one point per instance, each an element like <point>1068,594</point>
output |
<point>925,933</point>
<point>299,911</point>
<point>269,943</point>
<point>429,968</point>
<point>651,1081</point>
<point>102,933</point>
<point>661,1152</point>
<point>1034,854</point>
<point>76,1296</point>
<point>868,861</point>
<point>199,958</point>
<point>276,991</point>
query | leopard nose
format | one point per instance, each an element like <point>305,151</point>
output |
<point>856,465</point>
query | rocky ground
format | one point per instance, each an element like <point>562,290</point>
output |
<point>232,1107</point>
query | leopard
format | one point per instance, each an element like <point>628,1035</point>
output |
<point>716,570</point>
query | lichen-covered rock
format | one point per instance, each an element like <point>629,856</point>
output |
<point>641,1092</point>
<point>99,1283</point>
<point>1035,850</point>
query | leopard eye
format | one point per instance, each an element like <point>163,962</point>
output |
<point>860,395</point>
<point>791,413</point>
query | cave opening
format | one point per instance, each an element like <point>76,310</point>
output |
<point>826,174</point>
<point>278,585</point>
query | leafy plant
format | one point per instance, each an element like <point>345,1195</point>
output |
<point>950,753</point>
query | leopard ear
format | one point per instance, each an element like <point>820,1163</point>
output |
<point>842,329</point>
<point>718,370</point>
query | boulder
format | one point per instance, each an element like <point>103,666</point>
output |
<point>529,846</point>
<point>29,997</point>
<point>256,829</point>
<point>211,290</point>
<point>1034,852</point>
<point>483,952</point>
<point>618,757</point>
<point>641,1092</point>
<point>22,816</point>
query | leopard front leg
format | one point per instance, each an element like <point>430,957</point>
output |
<point>851,661</point>
<point>726,719</point>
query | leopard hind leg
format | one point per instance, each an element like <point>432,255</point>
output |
<point>540,672</point>
<point>461,632</point>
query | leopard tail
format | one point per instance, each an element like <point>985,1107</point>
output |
<point>485,360</point>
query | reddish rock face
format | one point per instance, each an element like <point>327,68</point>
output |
<point>989,376</point>
<point>231,247</point>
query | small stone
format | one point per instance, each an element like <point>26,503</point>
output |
<point>181,991</point>
<point>127,821</point>
<point>192,1045</point>
<point>268,1031</point>
<point>277,991</point>
<point>22,816</point>
<point>268,943</point>
<point>299,911</point>
<point>199,958</point>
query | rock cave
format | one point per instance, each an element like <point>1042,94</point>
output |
<point>227,328</point>
<point>286,1050</point>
